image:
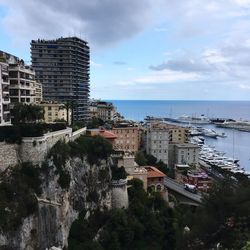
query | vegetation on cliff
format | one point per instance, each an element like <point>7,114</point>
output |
<point>147,224</point>
<point>94,148</point>
<point>17,195</point>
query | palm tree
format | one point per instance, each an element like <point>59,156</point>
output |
<point>69,105</point>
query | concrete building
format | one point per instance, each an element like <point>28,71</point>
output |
<point>200,179</point>
<point>23,88</point>
<point>186,153</point>
<point>62,66</point>
<point>54,112</point>
<point>160,136</point>
<point>157,140</point>
<point>106,134</point>
<point>38,93</point>
<point>155,178</point>
<point>128,162</point>
<point>4,94</point>
<point>128,139</point>
<point>177,134</point>
<point>103,110</point>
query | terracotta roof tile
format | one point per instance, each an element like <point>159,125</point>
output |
<point>153,172</point>
<point>107,134</point>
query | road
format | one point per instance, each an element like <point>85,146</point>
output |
<point>179,188</point>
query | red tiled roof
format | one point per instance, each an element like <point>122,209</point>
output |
<point>107,134</point>
<point>153,172</point>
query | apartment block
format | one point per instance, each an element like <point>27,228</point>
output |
<point>157,141</point>
<point>4,94</point>
<point>22,83</point>
<point>187,153</point>
<point>23,87</point>
<point>128,139</point>
<point>38,93</point>
<point>55,111</point>
<point>62,66</point>
<point>103,110</point>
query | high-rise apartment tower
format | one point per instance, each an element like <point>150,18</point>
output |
<point>62,66</point>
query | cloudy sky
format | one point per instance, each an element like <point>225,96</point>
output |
<point>144,49</point>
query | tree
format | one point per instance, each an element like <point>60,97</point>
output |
<point>140,159</point>
<point>27,113</point>
<point>222,218</point>
<point>68,106</point>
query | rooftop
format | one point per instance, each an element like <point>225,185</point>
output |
<point>187,145</point>
<point>164,126</point>
<point>153,172</point>
<point>107,134</point>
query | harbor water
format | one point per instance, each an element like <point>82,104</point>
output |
<point>235,145</point>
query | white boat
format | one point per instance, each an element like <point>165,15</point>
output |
<point>193,120</point>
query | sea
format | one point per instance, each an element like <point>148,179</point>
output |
<point>235,145</point>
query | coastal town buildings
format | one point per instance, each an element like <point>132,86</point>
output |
<point>128,138</point>
<point>54,112</point>
<point>161,139</point>
<point>127,160</point>
<point>155,181</point>
<point>23,87</point>
<point>62,66</point>
<point>4,94</point>
<point>186,153</point>
<point>107,134</point>
<point>199,179</point>
<point>157,141</point>
<point>103,110</point>
<point>38,93</point>
<point>18,85</point>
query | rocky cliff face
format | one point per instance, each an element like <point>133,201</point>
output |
<point>58,207</point>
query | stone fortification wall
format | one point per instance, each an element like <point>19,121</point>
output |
<point>119,194</point>
<point>8,155</point>
<point>76,134</point>
<point>34,149</point>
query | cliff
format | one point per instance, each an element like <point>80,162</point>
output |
<point>39,203</point>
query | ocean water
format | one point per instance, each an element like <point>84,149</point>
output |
<point>236,144</point>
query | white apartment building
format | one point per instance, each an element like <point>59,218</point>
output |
<point>38,92</point>
<point>157,142</point>
<point>187,153</point>
<point>22,82</point>
<point>4,95</point>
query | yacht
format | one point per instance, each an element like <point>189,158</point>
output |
<point>202,120</point>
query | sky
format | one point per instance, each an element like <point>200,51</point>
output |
<point>144,49</point>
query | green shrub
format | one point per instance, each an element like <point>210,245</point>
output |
<point>17,195</point>
<point>14,134</point>
<point>95,148</point>
<point>60,153</point>
<point>118,173</point>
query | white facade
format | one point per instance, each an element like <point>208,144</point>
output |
<point>22,83</point>
<point>4,95</point>
<point>187,153</point>
<point>157,144</point>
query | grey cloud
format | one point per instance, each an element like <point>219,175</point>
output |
<point>184,65</point>
<point>102,22</point>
